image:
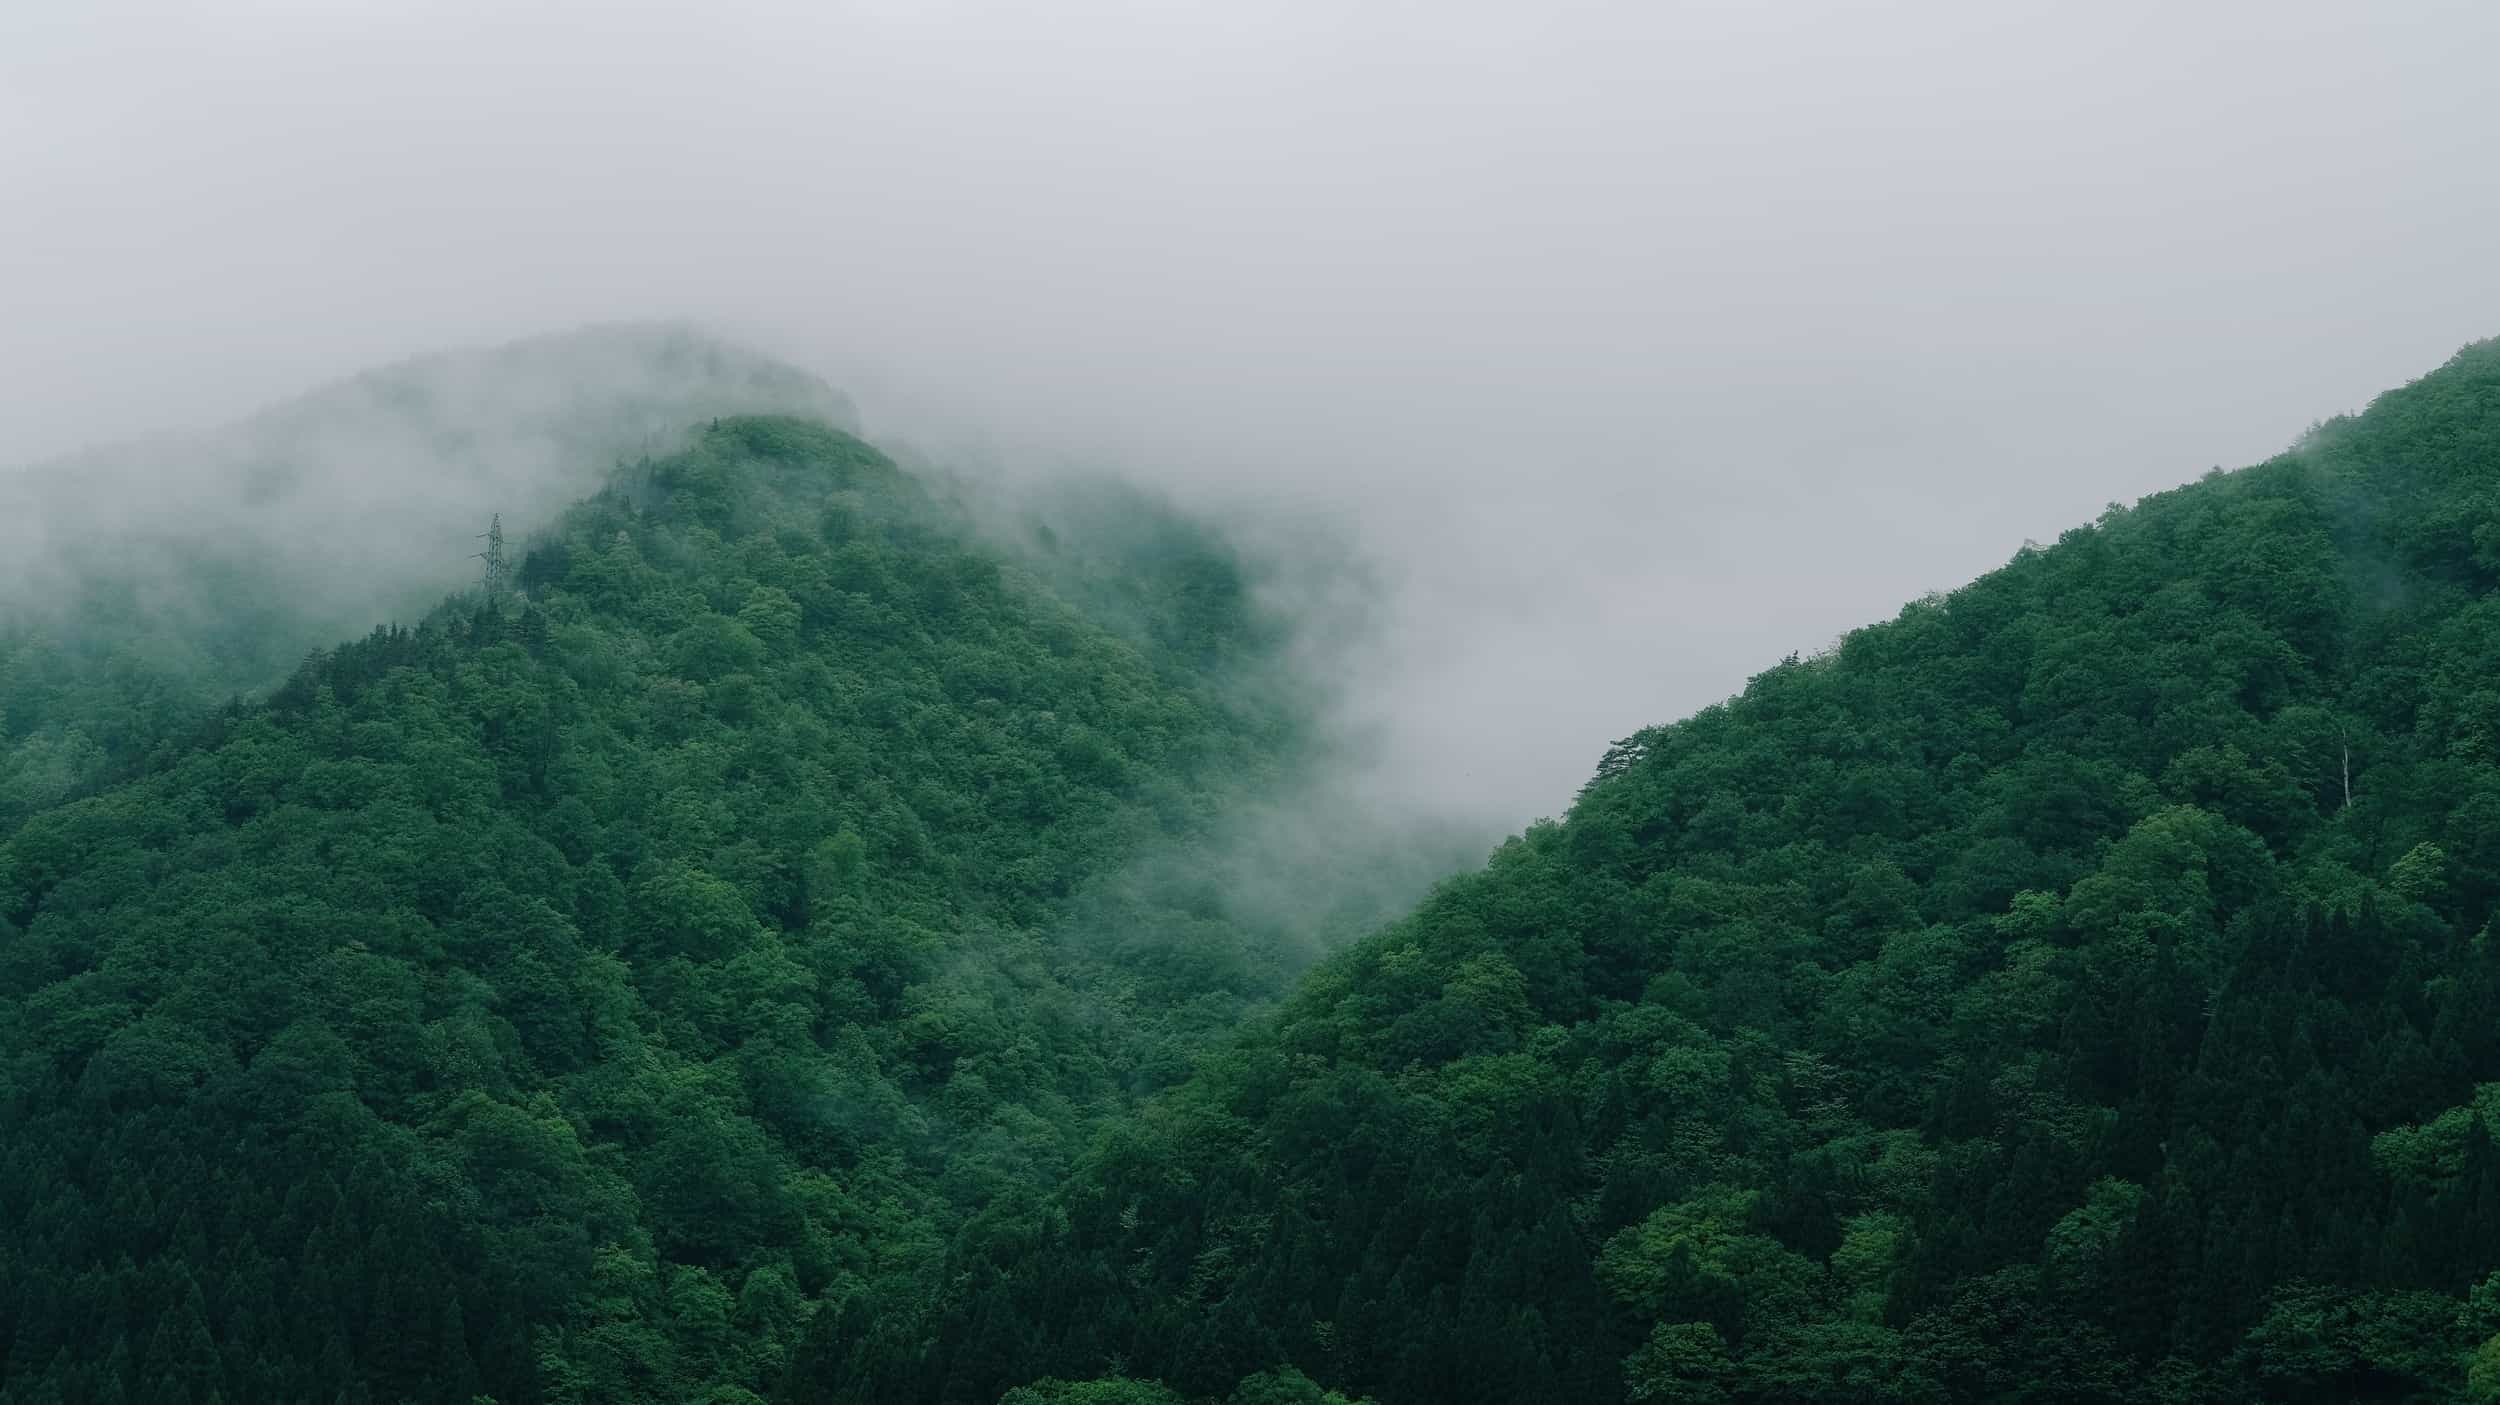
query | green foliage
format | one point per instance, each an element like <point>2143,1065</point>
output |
<point>2082,987</point>
<point>1682,1363</point>
<point>575,995</point>
<point>1110,1391</point>
<point>723,971</point>
<point>167,575</point>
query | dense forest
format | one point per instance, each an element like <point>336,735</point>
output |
<point>771,944</point>
<point>566,996</point>
<point>143,579</point>
<point>2082,987</point>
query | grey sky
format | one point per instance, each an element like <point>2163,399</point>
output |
<point>1643,343</point>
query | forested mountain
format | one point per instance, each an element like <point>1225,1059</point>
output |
<point>2083,987</point>
<point>563,997</point>
<point>141,579</point>
<point>777,942</point>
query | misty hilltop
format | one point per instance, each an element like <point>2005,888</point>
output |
<point>1203,704</point>
<point>529,425</point>
<point>567,994</point>
<point>788,937</point>
<point>196,566</point>
<point>2083,987</point>
<point>349,498</point>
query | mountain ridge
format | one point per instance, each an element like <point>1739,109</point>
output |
<point>2048,994</point>
<point>141,580</point>
<point>786,946</point>
<point>696,930</point>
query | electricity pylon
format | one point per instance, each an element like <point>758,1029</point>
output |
<point>496,569</point>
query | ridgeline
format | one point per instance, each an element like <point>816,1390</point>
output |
<point>2080,988</point>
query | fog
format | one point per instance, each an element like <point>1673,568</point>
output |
<point>1634,346</point>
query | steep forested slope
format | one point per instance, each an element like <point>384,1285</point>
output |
<point>2080,988</point>
<point>558,999</point>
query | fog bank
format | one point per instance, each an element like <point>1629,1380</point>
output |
<point>1635,345</point>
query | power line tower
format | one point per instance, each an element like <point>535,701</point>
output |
<point>496,569</point>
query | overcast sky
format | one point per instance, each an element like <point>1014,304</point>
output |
<point>1641,343</point>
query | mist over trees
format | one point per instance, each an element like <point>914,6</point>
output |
<point>2080,988</point>
<point>1200,704</point>
<point>819,926</point>
<point>141,579</point>
<point>562,996</point>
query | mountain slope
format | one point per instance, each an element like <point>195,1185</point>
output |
<point>2080,988</point>
<point>139,580</point>
<point>560,998</point>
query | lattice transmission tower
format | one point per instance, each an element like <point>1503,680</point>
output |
<point>497,570</point>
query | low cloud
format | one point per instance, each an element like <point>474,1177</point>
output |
<point>1632,346</point>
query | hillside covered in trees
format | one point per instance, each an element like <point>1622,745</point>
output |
<point>782,942</point>
<point>141,580</point>
<point>2083,987</point>
<point>565,996</point>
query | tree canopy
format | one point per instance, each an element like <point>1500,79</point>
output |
<point>565,997</point>
<point>775,950</point>
<point>2082,987</point>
